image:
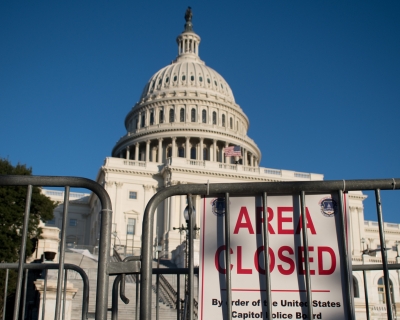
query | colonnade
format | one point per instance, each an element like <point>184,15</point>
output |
<point>158,150</point>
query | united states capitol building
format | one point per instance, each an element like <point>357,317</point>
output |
<point>176,134</point>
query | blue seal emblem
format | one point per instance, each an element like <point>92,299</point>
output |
<point>328,207</point>
<point>218,207</point>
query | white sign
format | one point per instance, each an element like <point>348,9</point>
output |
<point>288,289</point>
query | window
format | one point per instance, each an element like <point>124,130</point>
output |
<point>175,78</point>
<point>223,120</point>
<point>356,290</point>
<point>182,115</point>
<point>136,123</point>
<point>183,78</point>
<point>143,120</point>
<point>208,80</point>
<point>204,116</point>
<point>205,154</point>
<point>51,222</point>
<point>130,228</point>
<point>133,195</point>
<point>214,117</point>
<point>181,152</point>
<point>161,116</point>
<point>73,222</point>
<point>201,79</point>
<point>151,118</point>
<point>171,115</point>
<point>193,153</point>
<point>382,292</point>
<point>192,78</point>
<point>166,80</point>
<point>193,115</point>
<point>231,123</point>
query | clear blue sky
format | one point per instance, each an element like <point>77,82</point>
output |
<point>319,80</point>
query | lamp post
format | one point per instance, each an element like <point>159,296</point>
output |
<point>365,251</point>
<point>190,215</point>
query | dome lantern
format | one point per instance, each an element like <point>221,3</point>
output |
<point>188,41</point>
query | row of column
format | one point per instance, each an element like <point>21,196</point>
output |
<point>247,161</point>
<point>231,122</point>
<point>187,45</point>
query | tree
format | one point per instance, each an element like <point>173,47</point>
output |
<point>12,208</point>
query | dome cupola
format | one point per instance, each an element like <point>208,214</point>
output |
<point>186,110</point>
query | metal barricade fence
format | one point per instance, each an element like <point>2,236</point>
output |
<point>104,244</point>
<point>142,266</point>
<point>266,189</point>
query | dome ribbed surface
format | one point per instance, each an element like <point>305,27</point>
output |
<point>188,74</point>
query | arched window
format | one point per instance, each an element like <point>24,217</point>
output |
<point>214,117</point>
<point>171,115</point>
<point>193,153</point>
<point>193,115</point>
<point>223,120</point>
<point>382,292</point>
<point>151,118</point>
<point>205,154</point>
<point>204,116</point>
<point>356,290</point>
<point>181,152</point>
<point>143,121</point>
<point>231,123</point>
<point>161,116</point>
<point>182,115</point>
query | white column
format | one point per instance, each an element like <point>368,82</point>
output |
<point>201,149</point>
<point>173,213</point>
<point>137,151</point>
<point>127,153</point>
<point>147,120</point>
<point>155,115</point>
<point>187,148</point>
<point>140,120</point>
<point>159,160</point>
<point>147,150</point>
<point>252,161</point>
<point>214,151</point>
<point>173,147</point>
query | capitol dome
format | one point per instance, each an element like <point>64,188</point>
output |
<point>187,110</point>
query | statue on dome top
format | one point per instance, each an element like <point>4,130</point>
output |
<point>188,14</point>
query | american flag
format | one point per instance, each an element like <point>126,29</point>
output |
<point>233,151</point>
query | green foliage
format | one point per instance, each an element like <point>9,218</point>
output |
<point>12,208</point>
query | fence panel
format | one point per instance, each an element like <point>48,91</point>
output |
<point>104,245</point>
<point>264,190</point>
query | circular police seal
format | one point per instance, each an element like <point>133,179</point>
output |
<point>218,207</point>
<point>328,207</point>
